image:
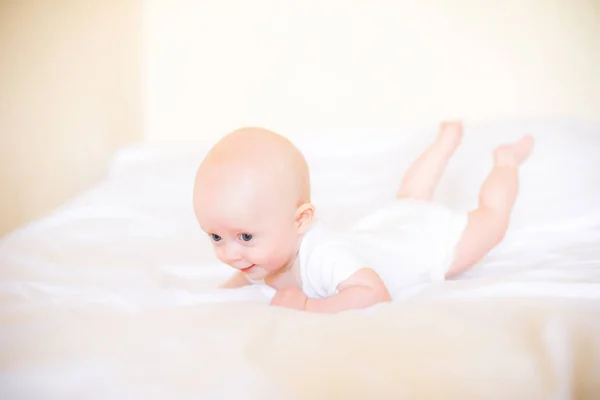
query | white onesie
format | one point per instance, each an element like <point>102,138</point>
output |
<point>408,243</point>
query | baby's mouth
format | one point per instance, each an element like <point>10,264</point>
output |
<point>247,269</point>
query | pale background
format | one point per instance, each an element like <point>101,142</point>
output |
<point>79,79</point>
<point>298,65</point>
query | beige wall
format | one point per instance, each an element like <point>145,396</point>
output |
<point>298,65</point>
<point>70,92</point>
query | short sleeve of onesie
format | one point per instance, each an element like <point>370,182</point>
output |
<point>325,263</point>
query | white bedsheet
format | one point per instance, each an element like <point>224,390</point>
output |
<point>113,296</point>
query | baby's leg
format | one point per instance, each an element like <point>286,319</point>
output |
<point>488,223</point>
<point>422,177</point>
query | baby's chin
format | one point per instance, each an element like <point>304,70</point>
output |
<point>257,273</point>
<point>260,273</point>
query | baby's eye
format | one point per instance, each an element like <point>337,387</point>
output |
<point>246,237</point>
<point>214,237</point>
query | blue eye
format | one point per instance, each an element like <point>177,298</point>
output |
<point>214,237</point>
<point>246,237</point>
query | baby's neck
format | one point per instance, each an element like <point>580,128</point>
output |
<point>288,276</point>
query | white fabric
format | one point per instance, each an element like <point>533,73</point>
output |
<point>408,243</point>
<point>325,262</point>
<point>114,295</point>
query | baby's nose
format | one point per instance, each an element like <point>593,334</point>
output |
<point>231,254</point>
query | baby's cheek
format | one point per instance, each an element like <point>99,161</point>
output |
<point>283,255</point>
<point>219,254</point>
<point>259,256</point>
<point>273,258</point>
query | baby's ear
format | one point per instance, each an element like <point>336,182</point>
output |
<point>304,217</point>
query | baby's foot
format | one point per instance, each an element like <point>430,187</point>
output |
<point>450,135</point>
<point>514,154</point>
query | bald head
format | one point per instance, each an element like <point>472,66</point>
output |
<point>256,165</point>
<point>252,197</point>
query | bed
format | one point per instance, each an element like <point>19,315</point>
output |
<point>113,296</point>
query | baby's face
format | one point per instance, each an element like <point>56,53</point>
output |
<point>256,237</point>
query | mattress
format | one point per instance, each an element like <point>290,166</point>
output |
<point>114,295</point>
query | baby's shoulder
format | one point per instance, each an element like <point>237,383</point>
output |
<point>326,260</point>
<point>318,238</point>
<point>321,245</point>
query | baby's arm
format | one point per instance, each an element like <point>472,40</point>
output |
<point>236,281</point>
<point>363,289</point>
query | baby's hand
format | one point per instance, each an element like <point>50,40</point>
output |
<point>291,298</point>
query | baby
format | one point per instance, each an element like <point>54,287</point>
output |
<point>252,197</point>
